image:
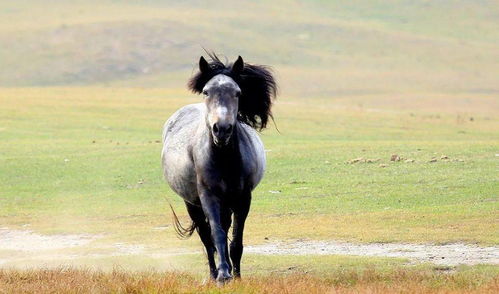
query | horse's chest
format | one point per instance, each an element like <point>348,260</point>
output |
<point>224,171</point>
<point>226,180</point>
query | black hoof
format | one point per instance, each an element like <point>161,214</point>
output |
<point>223,278</point>
<point>213,275</point>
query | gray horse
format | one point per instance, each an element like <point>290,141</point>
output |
<point>213,157</point>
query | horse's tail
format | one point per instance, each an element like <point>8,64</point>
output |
<point>182,233</point>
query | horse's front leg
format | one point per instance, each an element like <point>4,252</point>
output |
<point>236,245</point>
<point>213,210</point>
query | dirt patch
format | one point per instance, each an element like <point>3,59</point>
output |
<point>25,240</point>
<point>22,245</point>
<point>450,254</point>
<point>18,247</point>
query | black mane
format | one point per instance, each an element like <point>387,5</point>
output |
<point>258,89</point>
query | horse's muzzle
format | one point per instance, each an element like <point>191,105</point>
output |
<point>222,133</point>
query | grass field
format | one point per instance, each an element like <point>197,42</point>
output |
<point>340,281</point>
<point>86,160</point>
<point>86,86</point>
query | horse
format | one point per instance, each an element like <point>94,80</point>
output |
<point>213,158</point>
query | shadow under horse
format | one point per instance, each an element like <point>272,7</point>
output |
<point>213,157</point>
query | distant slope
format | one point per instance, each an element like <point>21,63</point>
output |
<point>319,48</point>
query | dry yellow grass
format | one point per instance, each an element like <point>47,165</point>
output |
<point>368,281</point>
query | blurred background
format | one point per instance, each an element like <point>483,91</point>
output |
<point>320,48</point>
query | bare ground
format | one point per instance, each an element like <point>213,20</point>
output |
<point>27,245</point>
<point>449,254</point>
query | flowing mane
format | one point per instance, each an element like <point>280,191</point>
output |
<point>258,89</point>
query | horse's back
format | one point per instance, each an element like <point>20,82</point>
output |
<point>178,166</point>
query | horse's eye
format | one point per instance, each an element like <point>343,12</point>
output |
<point>205,93</point>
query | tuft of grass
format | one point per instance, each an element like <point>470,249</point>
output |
<point>70,280</point>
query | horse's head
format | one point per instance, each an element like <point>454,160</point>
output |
<point>221,94</point>
<point>234,92</point>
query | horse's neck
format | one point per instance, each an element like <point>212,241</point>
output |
<point>221,163</point>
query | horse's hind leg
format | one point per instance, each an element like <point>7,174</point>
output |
<point>203,229</point>
<point>236,245</point>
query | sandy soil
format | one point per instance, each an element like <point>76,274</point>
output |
<point>27,245</point>
<point>449,254</point>
<point>25,240</point>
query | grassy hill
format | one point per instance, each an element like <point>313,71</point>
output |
<point>318,48</point>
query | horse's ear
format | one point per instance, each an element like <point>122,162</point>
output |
<point>238,66</point>
<point>204,67</point>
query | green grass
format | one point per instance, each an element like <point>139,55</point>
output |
<point>87,160</point>
<point>92,82</point>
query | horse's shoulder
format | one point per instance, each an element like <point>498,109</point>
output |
<point>250,136</point>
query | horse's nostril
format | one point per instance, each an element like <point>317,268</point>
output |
<point>222,130</point>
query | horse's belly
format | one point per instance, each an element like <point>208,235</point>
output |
<point>178,166</point>
<point>180,174</point>
<point>253,155</point>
